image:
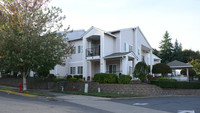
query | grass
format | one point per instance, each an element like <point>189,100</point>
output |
<point>28,92</point>
<point>108,95</point>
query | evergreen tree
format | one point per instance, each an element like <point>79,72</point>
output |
<point>177,51</point>
<point>166,48</point>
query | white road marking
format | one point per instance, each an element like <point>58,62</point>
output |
<point>186,111</point>
<point>140,104</point>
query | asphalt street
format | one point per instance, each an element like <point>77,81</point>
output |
<point>178,104</point>
<point>10,103</point>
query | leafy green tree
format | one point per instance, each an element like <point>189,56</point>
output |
<point>189,55</point>
<point>166,48</point>
<point>140,71</point>
<point>29,36</point>
<point>177,51</point>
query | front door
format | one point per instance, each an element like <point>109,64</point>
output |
<point>112,68</point>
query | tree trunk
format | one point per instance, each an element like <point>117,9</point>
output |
<point>24,82</point>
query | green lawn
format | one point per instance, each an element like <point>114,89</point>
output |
<point>28,92</point>
<point>109,95</point>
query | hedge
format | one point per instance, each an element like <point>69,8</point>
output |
<point>124,79</point>
<point>175,84</point>
<point>105,78</point>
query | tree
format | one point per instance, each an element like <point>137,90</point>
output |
<point>166,48</point>
<point>189,55</point>
<point>192,73</point>
<point>29,36</point>
<point>177,51</point>
<point>140,71</point>
<point>161,68</point>
<point>156,52</point>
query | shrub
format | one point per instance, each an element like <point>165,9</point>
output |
<point>124,79</point>
<point>7,76</point>
<point>141,71</point>
<point>176,85</point>
<point>161,68</point>
<point>80,80</point>
<point>76,76</point>
<point>150,77</point>
<point>105,78</point>
<point>58,79</point>
<point>68,77</point>
<point>80,76</point>
<point>51,76</point>
<point>72,79</point>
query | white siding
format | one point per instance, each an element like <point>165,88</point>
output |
<point>109,45</point>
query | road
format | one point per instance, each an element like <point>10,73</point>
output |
<point>10,103</point>
<point>178,104</point>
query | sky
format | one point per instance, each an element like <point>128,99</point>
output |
<point>181,18</point>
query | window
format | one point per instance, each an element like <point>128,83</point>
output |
<point>130,48</point>
<point>112,68</point>
<point>80,69</point>
<point>74,50</point>
<point>80,49</point>
<point>72,70</point>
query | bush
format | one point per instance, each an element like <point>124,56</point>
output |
<point>51,76</point>
<point>141,71</point>
<point>105,78</point>
<point>161,68</point>
<point>72,79</point>
<point>58,79</point>
<point>150,77</point>
<point>76,76</point>
<point>124,79</point>
<point>176,85</point>
<point>68,77</point>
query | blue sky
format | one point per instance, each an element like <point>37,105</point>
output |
<point>181,18</point>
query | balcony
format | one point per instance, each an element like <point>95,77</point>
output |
<point>95,51</point>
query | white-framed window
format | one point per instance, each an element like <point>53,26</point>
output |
<point>80,69</point>
<point>72,70</point>
<point>74,50</point>
<point>130,48</point>
<point>80,49</point>
<point>112,68</point>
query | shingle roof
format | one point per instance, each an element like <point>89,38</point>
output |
<point>75,34</point>
<point>117,55</point>
<point>177,64</point>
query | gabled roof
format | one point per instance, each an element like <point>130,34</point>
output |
<point>75,34</point>
<point>156,57</point>
<point>120,54</point>
<point>133,28</point>
<point>117,55</point>
<point>177,65</point>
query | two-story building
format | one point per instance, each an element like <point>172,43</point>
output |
<point>99,51</point>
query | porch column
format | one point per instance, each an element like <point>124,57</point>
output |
<point>89,69</point>
<point>151,61</point>
<point>125,65</point>
<point>103,66</point>
<point>188,76</point>
<point>85,69</point>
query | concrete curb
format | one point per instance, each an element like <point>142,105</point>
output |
<point>18,93</point>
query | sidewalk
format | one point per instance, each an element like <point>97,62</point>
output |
<point>99,103</point>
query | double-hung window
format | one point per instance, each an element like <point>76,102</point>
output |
<point>80,69</point>
<point>72,70</point>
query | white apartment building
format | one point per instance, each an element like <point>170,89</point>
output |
<point>99,51</point>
